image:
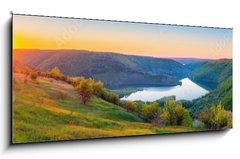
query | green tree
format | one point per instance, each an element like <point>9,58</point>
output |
<point>187,119</point>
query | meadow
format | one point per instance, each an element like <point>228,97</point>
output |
<point>46,109</point>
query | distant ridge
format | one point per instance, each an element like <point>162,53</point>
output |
<point>114,69</point>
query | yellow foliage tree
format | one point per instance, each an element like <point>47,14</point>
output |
<point>56,73</point>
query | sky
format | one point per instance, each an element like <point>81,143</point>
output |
<point>158,40</point>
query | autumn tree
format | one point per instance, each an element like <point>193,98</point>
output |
<point>85,90</point>
<point>130,106</point>
<point>98,88</point>
<point>152,113</point>
<point>175,114</point>
<point>56,73</point>
<point>179,112</point>
<point>168,115</point>
<point>215,117</point>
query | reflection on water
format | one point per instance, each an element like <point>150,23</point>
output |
<point>188,90</point>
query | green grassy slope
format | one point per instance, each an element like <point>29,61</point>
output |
<point>49,110</point>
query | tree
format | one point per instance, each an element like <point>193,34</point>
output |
<point>113,98</point>
<point>33,75</point>
<point>179,112</point>
<point>76,81</point>
<point>216,117</point>
<point>98,88</point>
<point>152,113</point>
<point>168,115</point>
<point>175,114</point>
<point>130,106</point>
<point>56,73</point>
<point>187,120</point>
<point>85,90</point>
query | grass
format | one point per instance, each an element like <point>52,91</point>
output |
<point>49,110</point>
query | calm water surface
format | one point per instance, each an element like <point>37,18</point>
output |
<point>188,90</point>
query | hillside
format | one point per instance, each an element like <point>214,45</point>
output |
<point>214,71</point>
<point>223,94</point>
<point>115,70</point>
<point>50,110</point>
<point>196,65</point>
<point>160,66</point>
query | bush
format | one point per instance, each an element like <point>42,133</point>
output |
<point>198,124</point>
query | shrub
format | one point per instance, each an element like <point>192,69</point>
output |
<point>198,124</point>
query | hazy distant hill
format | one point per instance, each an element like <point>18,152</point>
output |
<point>160,66</point>
<point>113,69</point>
<point>186,61</point>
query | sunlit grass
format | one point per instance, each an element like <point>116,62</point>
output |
<point>49,110</point>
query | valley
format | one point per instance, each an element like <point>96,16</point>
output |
<point>78,94</point>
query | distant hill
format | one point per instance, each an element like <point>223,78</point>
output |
<point>195,65</point>
<point>115,70</point>
<point>186,61</point>
<point>214,71</point>
<point>160,66</point>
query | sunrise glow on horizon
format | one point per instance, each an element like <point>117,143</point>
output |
<point>31,32</point>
